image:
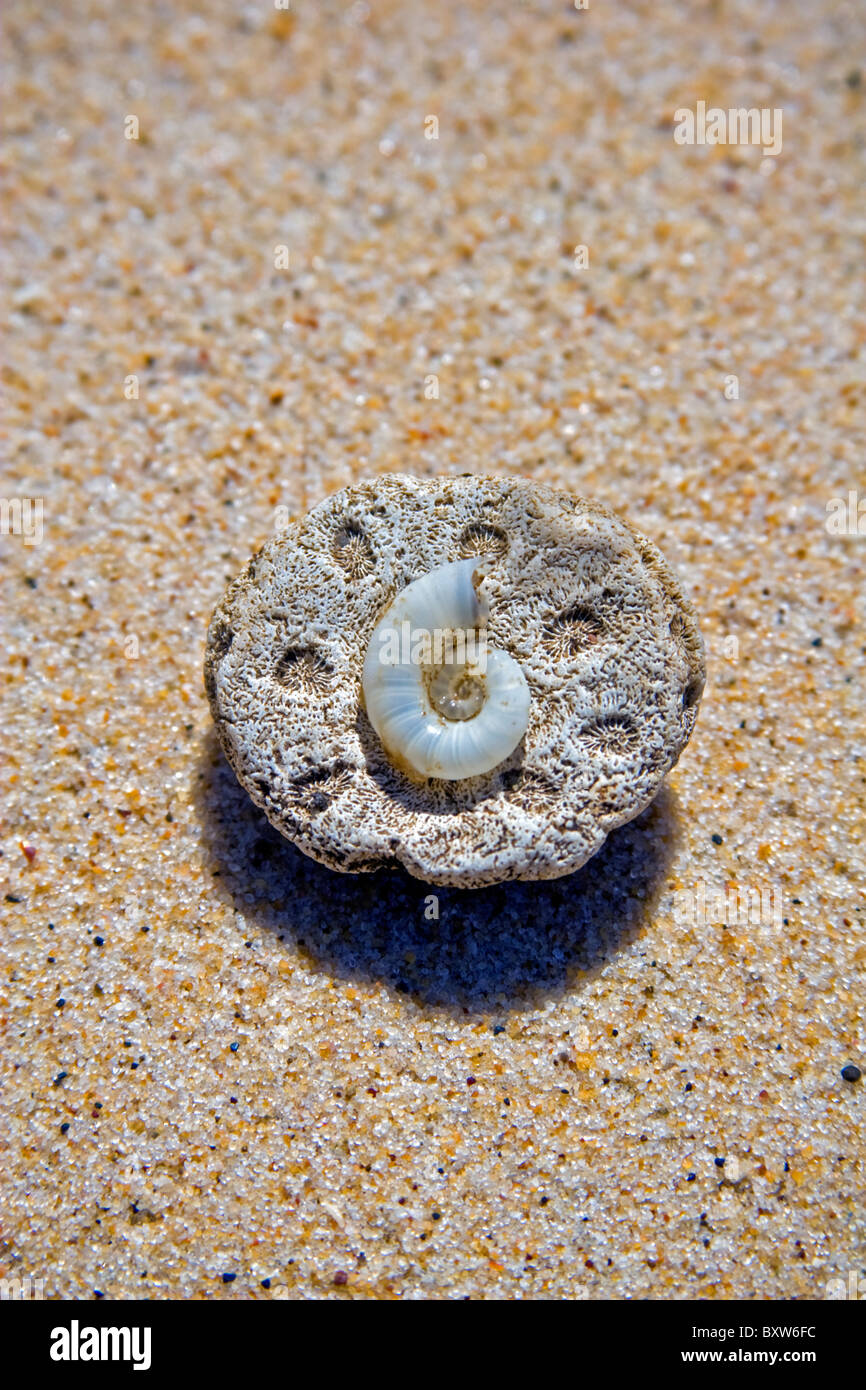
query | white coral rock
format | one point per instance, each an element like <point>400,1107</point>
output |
<point>582,610</point>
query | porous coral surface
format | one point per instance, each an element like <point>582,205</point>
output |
<point>586,607</point>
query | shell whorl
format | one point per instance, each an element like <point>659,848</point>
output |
<point>442,701</point>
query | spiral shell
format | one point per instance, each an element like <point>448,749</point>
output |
<point>442,702</point>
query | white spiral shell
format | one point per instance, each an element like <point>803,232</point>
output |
<point>436,714</point>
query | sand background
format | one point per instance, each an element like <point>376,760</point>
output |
<point>220,1059</point>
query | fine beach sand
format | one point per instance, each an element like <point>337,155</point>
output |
<point>220,1059</point>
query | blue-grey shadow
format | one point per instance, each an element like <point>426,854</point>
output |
<point>488,951</point>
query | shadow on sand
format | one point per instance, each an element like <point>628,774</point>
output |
<point>491,949</point>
